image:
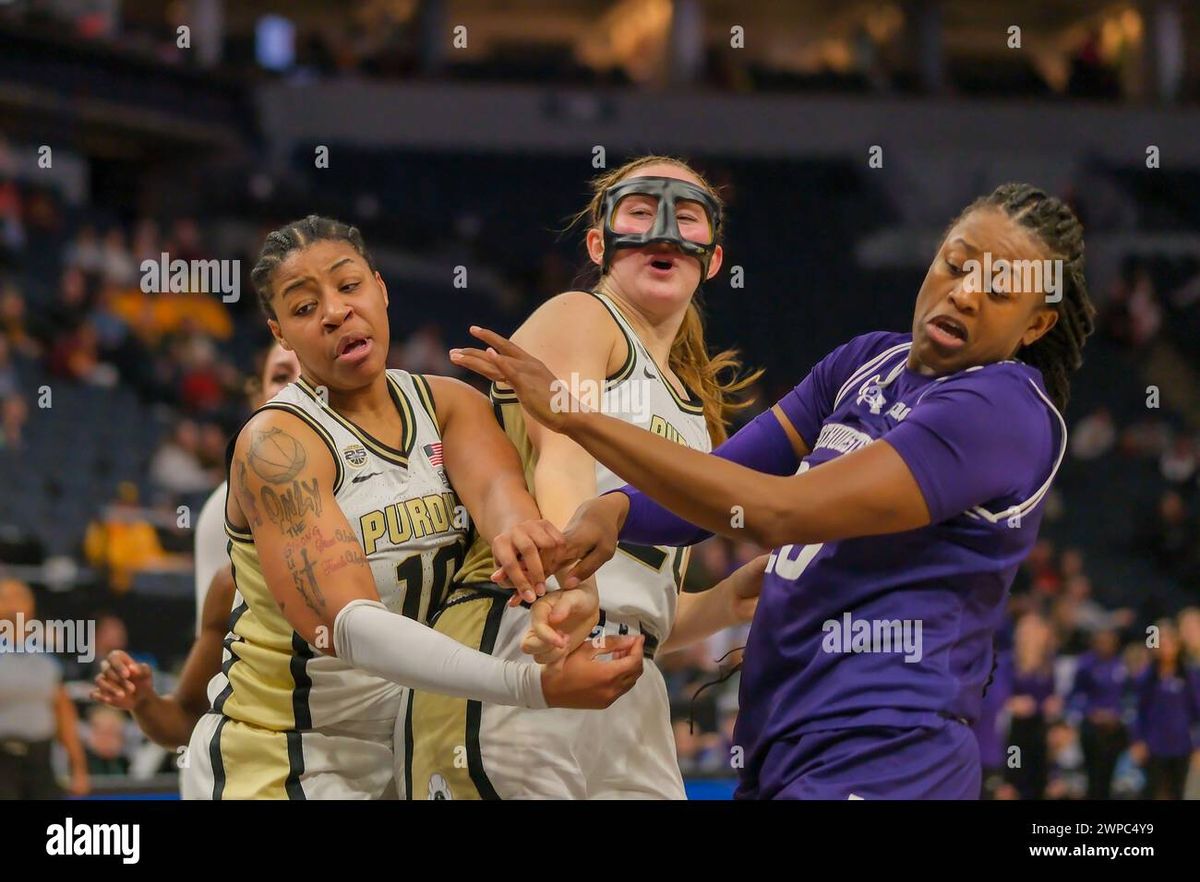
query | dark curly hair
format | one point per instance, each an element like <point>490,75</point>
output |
<point>293,237</point>
<point>1059,352</point>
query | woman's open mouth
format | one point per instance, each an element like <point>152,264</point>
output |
<point>946,332</point>
<point>354,350</point>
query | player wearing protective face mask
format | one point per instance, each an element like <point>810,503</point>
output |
<point>633,346</point>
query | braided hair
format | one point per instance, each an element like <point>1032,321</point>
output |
<point>293,237</point>
<point>1059,352</point>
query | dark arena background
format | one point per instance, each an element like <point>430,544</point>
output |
<point>460,136</point>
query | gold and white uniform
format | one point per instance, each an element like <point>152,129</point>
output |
<point>449,748</point>
<point>288,721</point>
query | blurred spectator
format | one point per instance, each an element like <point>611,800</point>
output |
<point>105,741</point>
<point>1171,538</point>
<point>1097,697</point>
<point>112,331</point>
<point>425,352</point>
<point>1065,778</point>
<point>184,242</point>
<point>1094,435</point>
<point>12,230</point>
<point>146,245</point>
<point>1091,76</point>
<point>711,561</point>
<point>176,466</point>
<point>1145,438</point>
<point>71,307</point>
<point>1178,462</point>
<point>1145,311</point>
<point>1133,315</point>
<point>13,323</point>
<point>211,450</point>
<point>1038,572</point>
<point>1189,635</point>
<point>123,542</point>
<point>111,635</point>
<point>13,411</point>
<point>1070,563</point>
<point>34,711</point>
<point>201,389</point>
<point>1077,616</point>
<point>117,267</point>
<point>1032,704</point>
<point>76,356</point>
<point>85,253</point>
<point>1168,708</point>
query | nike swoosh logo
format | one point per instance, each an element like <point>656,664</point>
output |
<point>362,478</point>
<point>649,375</point>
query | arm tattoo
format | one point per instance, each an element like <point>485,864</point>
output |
<point>303,576</point>
<point>287,508</point>
<point>245,497</point>
<point>276,456</point>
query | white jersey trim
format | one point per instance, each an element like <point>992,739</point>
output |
<point>862,371</point>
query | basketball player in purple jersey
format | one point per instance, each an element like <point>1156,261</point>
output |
<point>900,484</point>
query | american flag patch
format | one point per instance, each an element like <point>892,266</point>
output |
<point>434,452</point>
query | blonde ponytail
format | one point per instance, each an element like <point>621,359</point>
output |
<point>717,380</point>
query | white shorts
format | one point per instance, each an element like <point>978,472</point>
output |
<point>450,748</point>
<point>228,759</point>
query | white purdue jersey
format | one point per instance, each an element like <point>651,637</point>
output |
<point>413,532</point>
<point>640,582</point>
<point>209,550</point>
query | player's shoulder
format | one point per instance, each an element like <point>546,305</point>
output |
<point>1005,402</point>
<point>447,395</point>
<point>1009,383</point>
<point>571,309</point>
<point>282,440</point>
<point>858,351</point>
<point>877,342</point>
<point>576,325</point>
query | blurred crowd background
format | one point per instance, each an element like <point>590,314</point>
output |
<point>116,403</point>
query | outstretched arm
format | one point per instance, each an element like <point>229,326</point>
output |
<point>868,492</point>
<point>769,444</point>
<point>282,477</point>
<point>168,720</point>
<point>730,602</point>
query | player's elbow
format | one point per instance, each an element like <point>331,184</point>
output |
<point>767,529</point>
<point>773,536</point>
<point>777,523</point>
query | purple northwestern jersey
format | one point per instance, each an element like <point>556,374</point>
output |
<point>1168,710</point>
<point>896,630</point>
<point>1100,684</point>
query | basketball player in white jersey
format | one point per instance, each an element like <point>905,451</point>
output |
<point>345,527</point>
<point>633,346</point>
<point>168,720</point>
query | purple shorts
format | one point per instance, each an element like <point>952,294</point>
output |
<point>871,762</point>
